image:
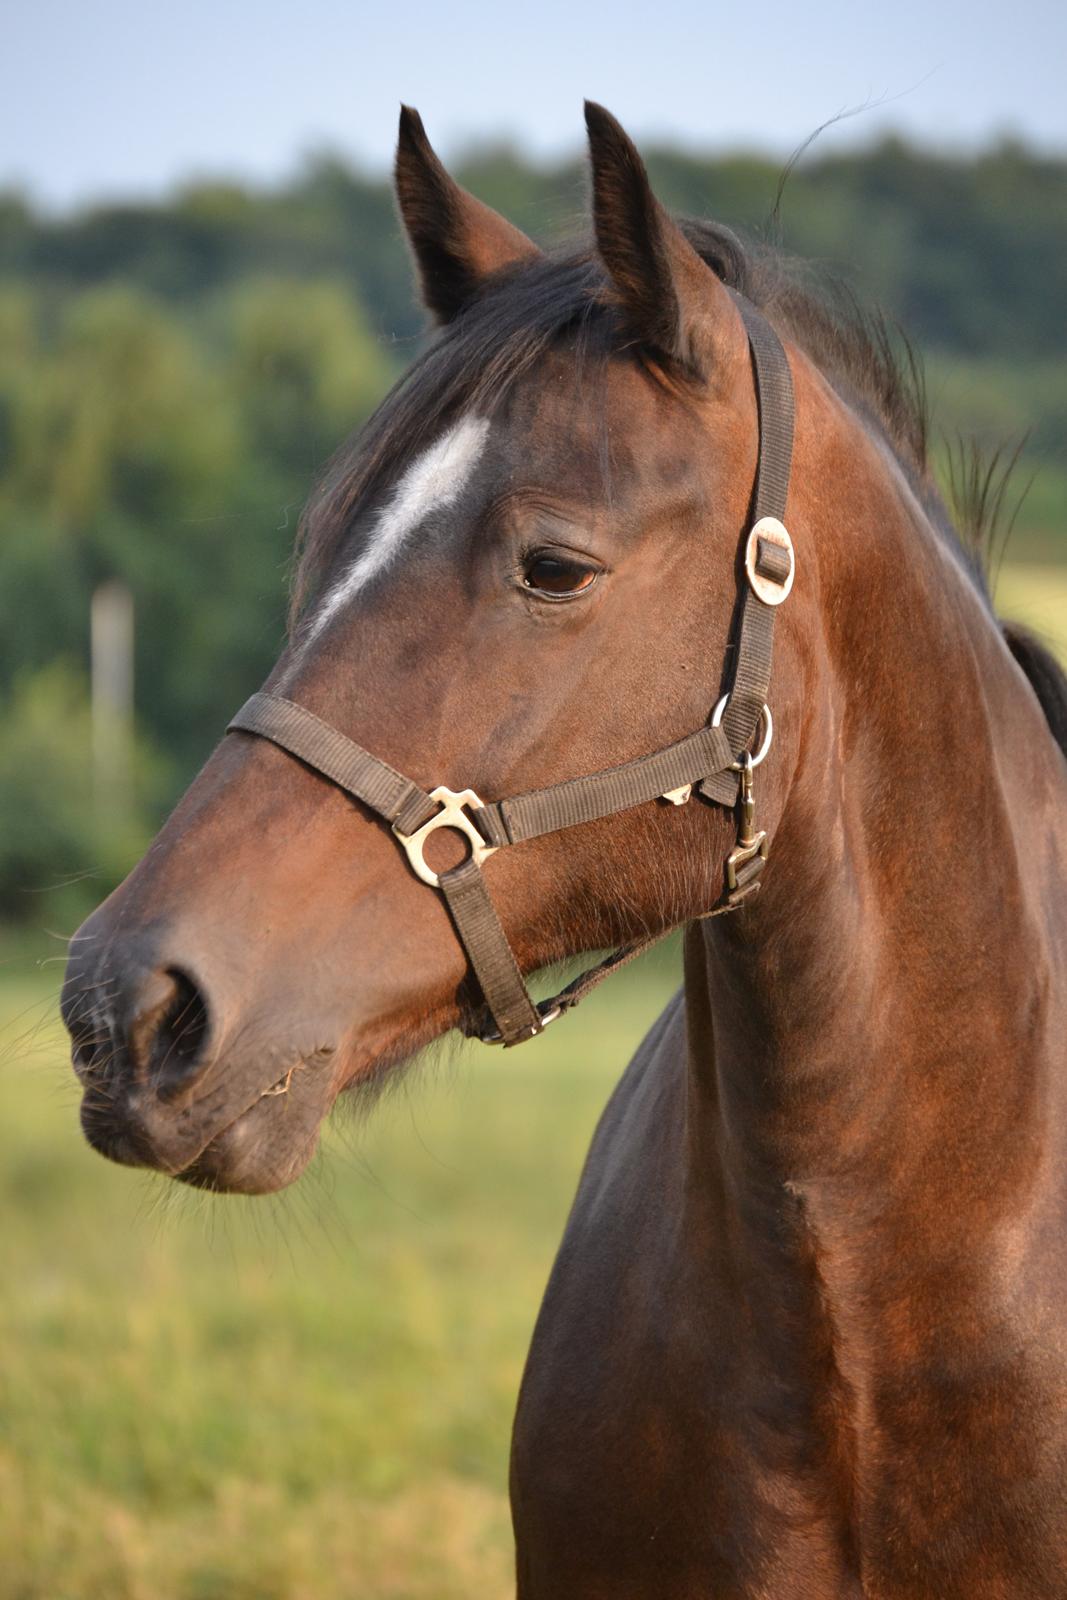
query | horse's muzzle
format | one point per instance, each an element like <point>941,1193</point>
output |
<point>162,1086</point>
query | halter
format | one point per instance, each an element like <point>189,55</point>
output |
<point>715,761</point>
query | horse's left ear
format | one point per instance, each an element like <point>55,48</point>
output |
<point>457,241</point>
<point>669,299</point>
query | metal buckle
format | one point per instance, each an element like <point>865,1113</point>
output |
<point>546,1018</point>
<point>451,815</point>
<point>770,590</point>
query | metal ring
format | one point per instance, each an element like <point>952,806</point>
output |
<point>451,815</point>
<point>768,729</point>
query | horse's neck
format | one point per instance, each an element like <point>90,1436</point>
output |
<point>874,1046</point>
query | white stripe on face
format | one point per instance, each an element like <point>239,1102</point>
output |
<point>433,480</point>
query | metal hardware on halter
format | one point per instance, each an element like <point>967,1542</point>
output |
<point>768,732</point>
<point>451,815</point>
<point>769,561</point>
<point>679,796</point>
<point>551,1015</point>
<point>745,861</point>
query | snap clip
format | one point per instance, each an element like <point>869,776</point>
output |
<point>745,861</point>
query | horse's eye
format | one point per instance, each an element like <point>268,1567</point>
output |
<point>558,577</point>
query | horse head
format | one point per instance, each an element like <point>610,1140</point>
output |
<point>525,569</point>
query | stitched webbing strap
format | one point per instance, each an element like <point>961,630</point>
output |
<point>338,758</point>
<point>490,955</point>
<point>752,674</point>
<point>774,396</point>
<point>601,794</point>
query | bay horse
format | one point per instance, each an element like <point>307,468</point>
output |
<point>805,1335</point>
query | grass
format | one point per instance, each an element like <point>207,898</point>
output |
<point>308,1396</point>
<point>301,1398</point>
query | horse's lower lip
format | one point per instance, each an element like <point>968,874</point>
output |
<point>198,1143</point>
<point>232,1134</point>
<point>268,1146</point>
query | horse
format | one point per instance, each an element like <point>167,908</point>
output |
<point>804,1336</point>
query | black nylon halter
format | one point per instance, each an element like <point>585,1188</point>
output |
<point>712,760</point>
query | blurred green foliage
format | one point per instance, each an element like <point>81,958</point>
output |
<point>173,374</point>
<point>52,848</point>
<point>173,449</point>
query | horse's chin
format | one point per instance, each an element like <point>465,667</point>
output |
<point>256,1148</point>
<point>265,1149</point>
<point>229,1134</point>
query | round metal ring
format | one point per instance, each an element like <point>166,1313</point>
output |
<point>764,717</point>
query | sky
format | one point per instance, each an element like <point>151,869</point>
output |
<point>115,98</point>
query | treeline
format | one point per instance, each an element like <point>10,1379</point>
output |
<point>169,447</point>
<point>967,253</point>
<point>172,375</point>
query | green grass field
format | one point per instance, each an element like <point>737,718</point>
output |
<point>303,1398</point>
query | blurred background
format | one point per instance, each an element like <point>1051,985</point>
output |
<point>203,290</point>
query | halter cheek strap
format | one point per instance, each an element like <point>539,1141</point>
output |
<point>714,761</point>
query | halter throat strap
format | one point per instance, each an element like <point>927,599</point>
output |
<point>708,762</point>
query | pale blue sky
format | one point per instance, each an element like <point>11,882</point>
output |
<point>114,97</point>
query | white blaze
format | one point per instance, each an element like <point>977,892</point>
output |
<point>433,480</point>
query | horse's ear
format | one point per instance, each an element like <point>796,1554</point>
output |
<point>457,241</point>
<point>670,301</point>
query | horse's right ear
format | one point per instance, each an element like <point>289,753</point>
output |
<point>457,241</point>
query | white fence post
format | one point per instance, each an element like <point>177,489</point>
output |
<point>112,701</point>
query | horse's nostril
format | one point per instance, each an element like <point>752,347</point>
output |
<point>166,1034</point>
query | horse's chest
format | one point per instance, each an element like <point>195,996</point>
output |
<point>670,1443</point>
<point>650,1462</point>
<point>634,1469</point>
<point>628,1481</point>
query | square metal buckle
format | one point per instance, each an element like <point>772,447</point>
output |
<point>753,850</point>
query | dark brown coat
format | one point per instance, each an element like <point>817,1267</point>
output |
<point>804,1339</point>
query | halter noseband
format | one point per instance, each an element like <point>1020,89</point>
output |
<point>714,761</point>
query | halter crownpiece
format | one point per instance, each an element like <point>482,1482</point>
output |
<point>715,761</point>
